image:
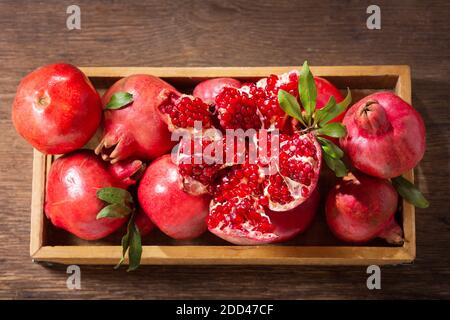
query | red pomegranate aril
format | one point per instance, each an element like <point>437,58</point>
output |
<point>183,111</point>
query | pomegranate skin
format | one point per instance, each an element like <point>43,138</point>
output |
<point>360,208</point>
<point>137,130</point>
<point>175,212</point>
<point>71,202</point>
<point>56,109</point>
<point>385,135</point>
<point>286,225</point>
<point>208,90</point>
<point>289,224</point>
<point>143,223</point>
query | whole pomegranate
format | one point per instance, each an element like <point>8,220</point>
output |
<point>208,90</point>
<point>56,109</point>
<point>175,212</point>
<point>385,135</point>
<point>71,201</point>
<point>136,130</point>
<point>360,208</point>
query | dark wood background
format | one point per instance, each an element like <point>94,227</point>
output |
<point>228,33</point>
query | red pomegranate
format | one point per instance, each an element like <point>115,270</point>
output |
<point>208,90</point>
<point>244,221</point>
<point>361,208</point>
<point>385,135</point>
<point>136,130</point>
<point>175,212</point>
<point>143,223</point>
<point>56,109</point>
<point>71,201</point>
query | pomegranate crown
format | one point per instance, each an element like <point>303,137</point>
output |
<point>317,120</point>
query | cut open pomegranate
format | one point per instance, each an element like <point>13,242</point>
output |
<point>246,193</point>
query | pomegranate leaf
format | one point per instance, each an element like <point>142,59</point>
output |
<point>290,105</point>
<point>114,195</point>
<point>119,100</point>
<point>333,109</point>
<point>336,165</point>
<point>330,148</point>
<point>409,192</point>
<point>115,210</point>
<point>321,114</point>
<point>135,249</point>
<point>131,243</point>
<point>307,90</point>
<point>347,100</point>
<point>335,130</point>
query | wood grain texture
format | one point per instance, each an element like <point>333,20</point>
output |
<point>231,33</point>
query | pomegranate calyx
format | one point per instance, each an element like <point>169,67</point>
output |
<point>393,233</point>
<point>127,172</point>
<point>372,117</point>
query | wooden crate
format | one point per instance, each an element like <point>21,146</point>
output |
<point>51,245</point>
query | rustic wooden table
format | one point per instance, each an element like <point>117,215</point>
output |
<point>228,33</point>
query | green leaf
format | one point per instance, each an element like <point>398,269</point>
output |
<point>290,105</point>
<point>335,165</point>
<point>307,90</point>
<point>322,113</point>
<point>115,210</point>
<point>409,192</point>
<point>125,244</point>
<point>335,130</point>
<point>331,111</point>
<point>131,243</point>
<point>119,100</point>
<point>330,148</point>
<point>114,195</point>
<point>135,249</point>
<point>347,100</point>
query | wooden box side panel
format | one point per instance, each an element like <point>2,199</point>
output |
<point>387,77</point>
